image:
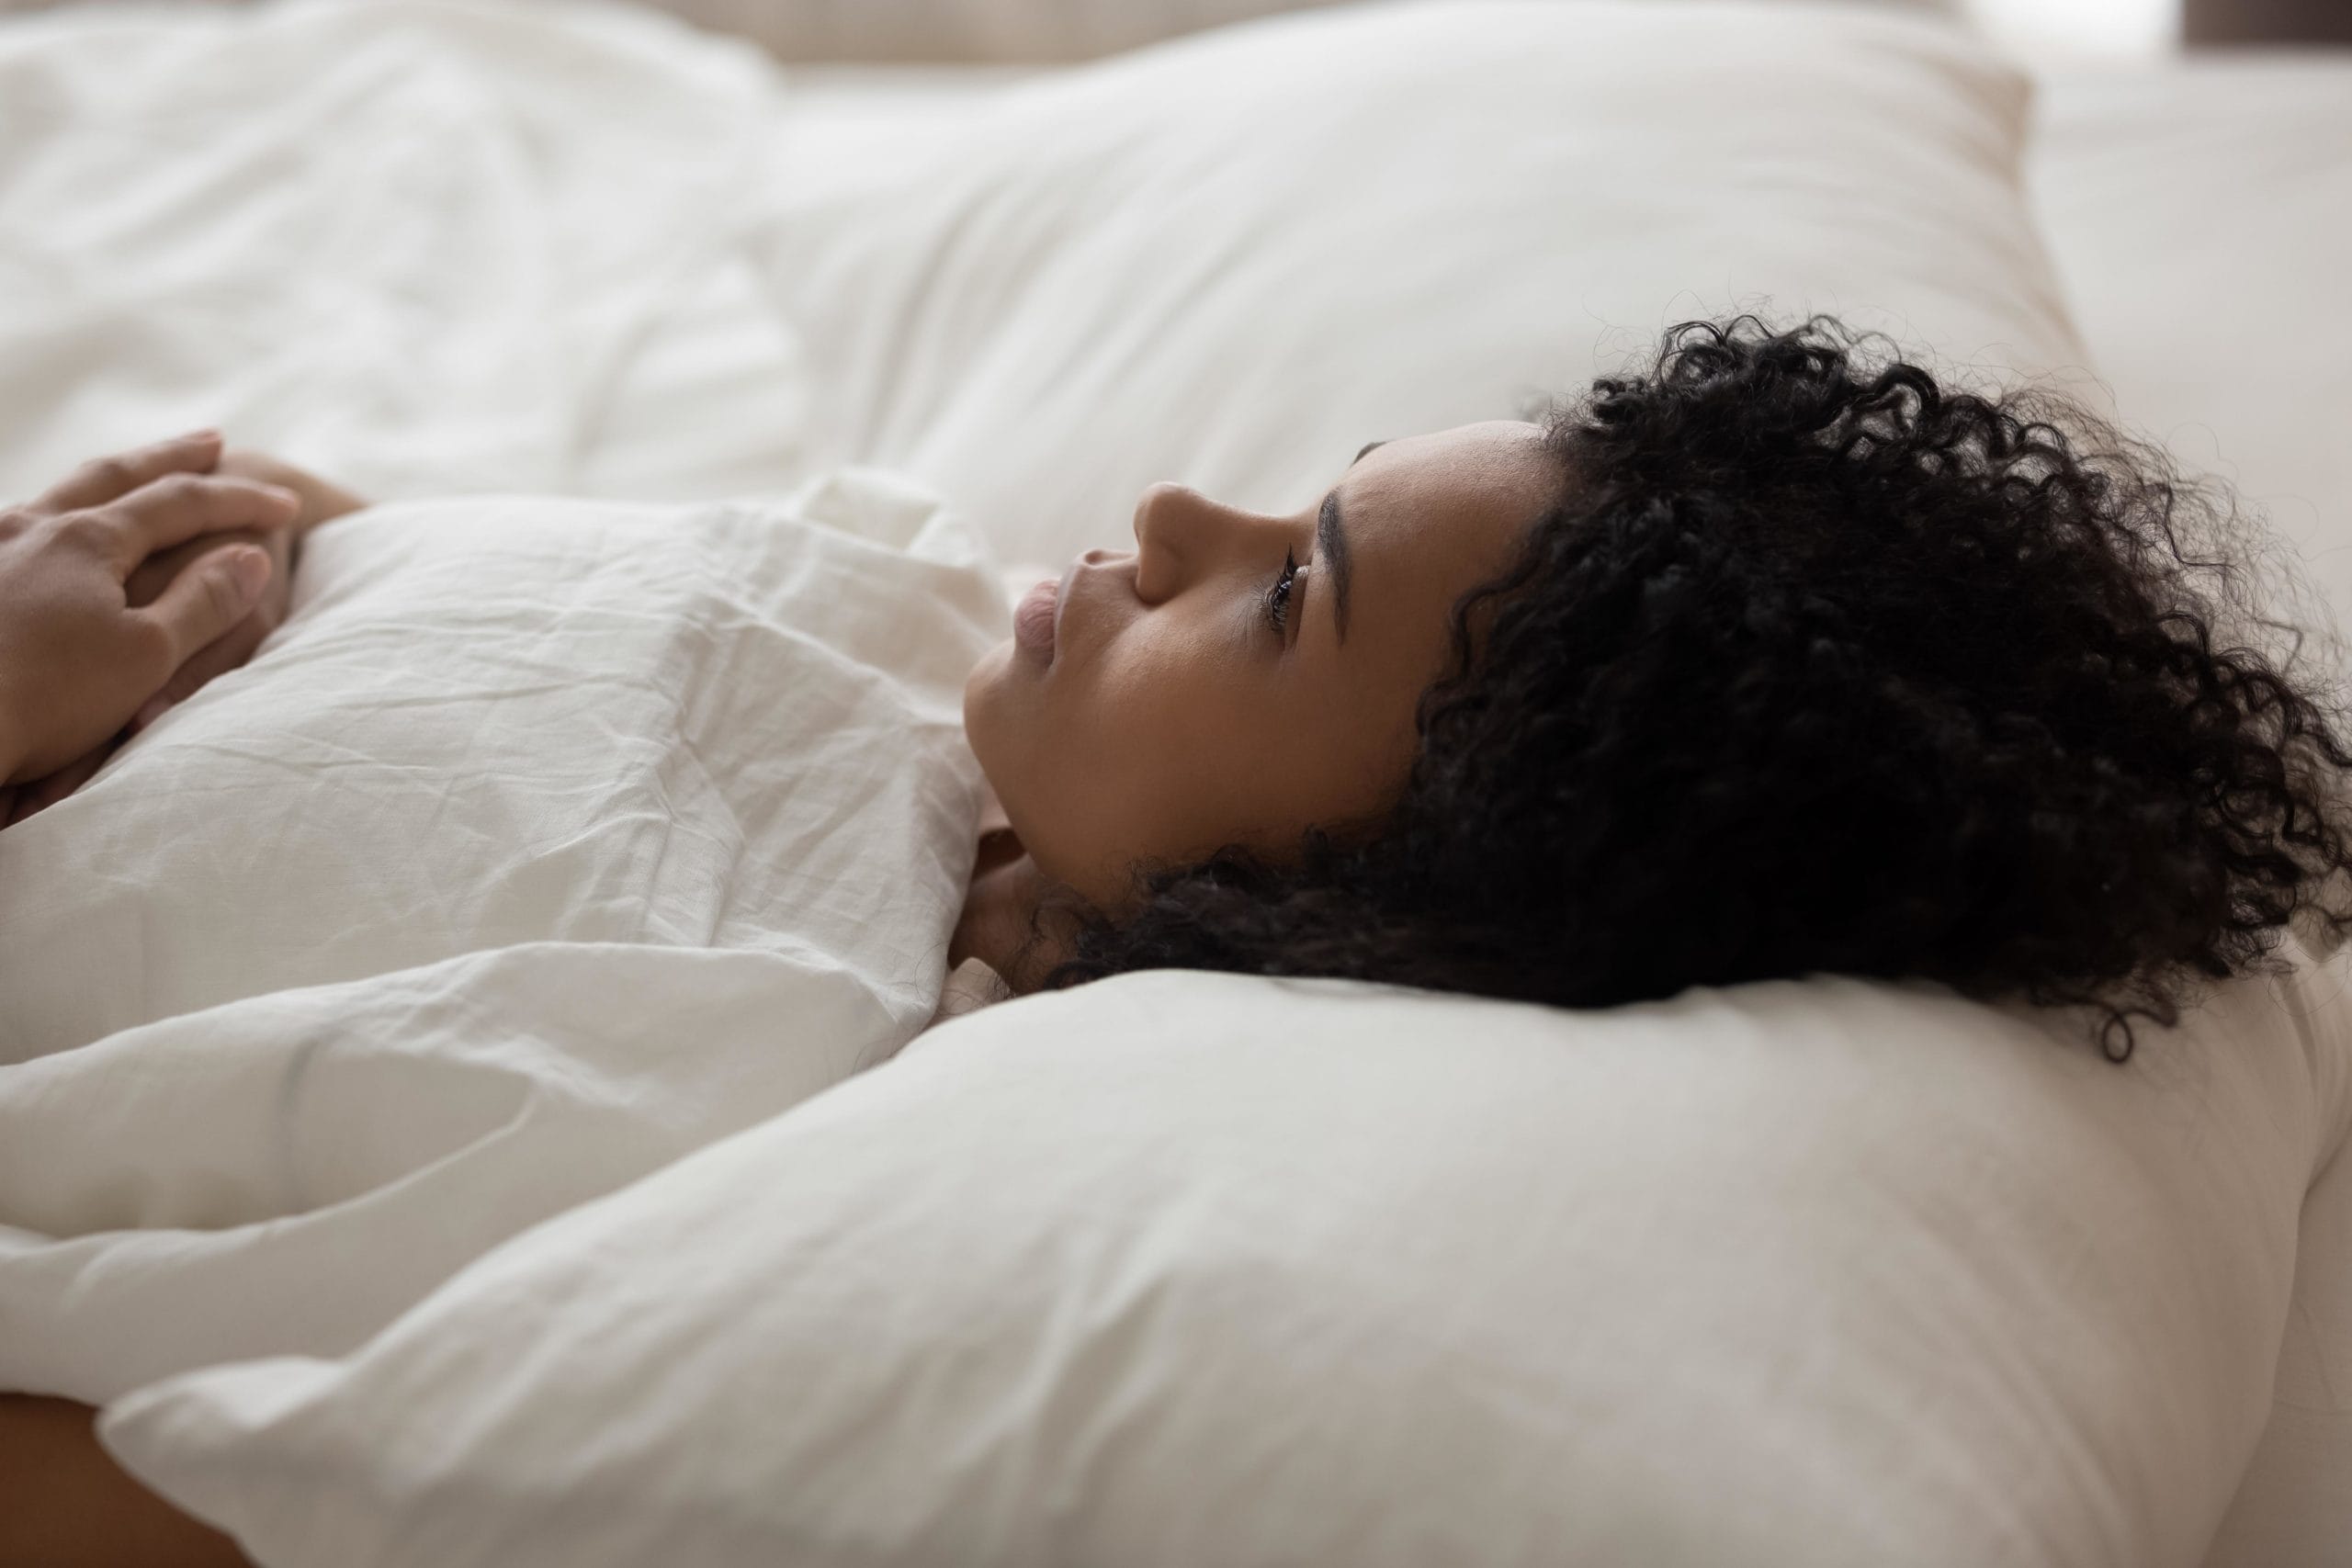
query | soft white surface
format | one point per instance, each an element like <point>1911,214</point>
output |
<point>997,30</point>
<point>411,245</point>
<point>1183,1270</point>
<point>964,30</point>
<point>598,830</point>
<point>2294,1507</point>
<point>2200,213</point>
<point>1233,259</point>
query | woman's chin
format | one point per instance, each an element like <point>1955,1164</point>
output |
<point>983,695</point>
<point>988,673</point>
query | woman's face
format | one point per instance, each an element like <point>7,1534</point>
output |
<point>1196,693</point>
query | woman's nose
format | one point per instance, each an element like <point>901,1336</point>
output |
<point>1176,532</point>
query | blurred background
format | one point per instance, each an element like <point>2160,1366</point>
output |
<point>1009,32</point>
<point>2086,31</point>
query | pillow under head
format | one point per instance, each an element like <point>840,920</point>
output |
<point>993,31</point>
<point>1233,259</point>
<point>1183,1269</point>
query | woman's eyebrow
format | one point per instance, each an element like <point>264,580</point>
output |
<point>1332,559</point>
<point>1331,548</point>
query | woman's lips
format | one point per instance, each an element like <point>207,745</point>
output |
<point>1033,619</point>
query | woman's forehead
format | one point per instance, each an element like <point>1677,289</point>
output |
<point>1497,474</point>
<point>1426,519</point>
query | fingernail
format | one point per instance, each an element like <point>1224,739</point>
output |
<point>149,712</point>
<point>207,434</point>
<point>249,568</point>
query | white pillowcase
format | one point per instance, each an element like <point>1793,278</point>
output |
<point>2290,1510</point>
<point>988,31</point>
<point>547,841</point>
<point>1181,1269</point>
<point>1234,259</point>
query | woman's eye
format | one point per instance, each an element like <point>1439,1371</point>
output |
<point>1278,597</point>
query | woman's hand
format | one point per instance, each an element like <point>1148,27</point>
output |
<point>320,501</point>
<point>78,659</point>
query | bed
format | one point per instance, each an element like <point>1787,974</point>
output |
<point>761,318</point>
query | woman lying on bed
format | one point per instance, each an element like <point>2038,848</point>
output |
<point>1757,664</point>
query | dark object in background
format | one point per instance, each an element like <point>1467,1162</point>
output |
<point>2265,21</point>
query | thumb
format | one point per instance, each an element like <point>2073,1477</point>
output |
<point>211,594</point>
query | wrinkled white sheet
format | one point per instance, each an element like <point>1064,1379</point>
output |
<point>295,1071</point>
<point>423,247</point>
<point>548,840</point>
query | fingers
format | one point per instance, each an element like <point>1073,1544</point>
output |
<point>321,499</point>
<point>228,651</point>
<point>208,598</point>
<point>176,508</point>
<point>41,794</point>
<point>142,586</point>
<point>109,479</point>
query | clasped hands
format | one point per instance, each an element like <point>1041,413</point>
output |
<point>130,585</point>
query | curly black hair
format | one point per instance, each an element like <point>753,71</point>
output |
<point>1817,667</point>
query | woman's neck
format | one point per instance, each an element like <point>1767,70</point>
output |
<point>999,908</point>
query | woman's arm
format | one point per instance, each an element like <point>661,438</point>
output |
<point>65,1504</point>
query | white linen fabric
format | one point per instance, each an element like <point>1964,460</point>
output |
<point>1233,259</point>
<point>546,841</point>
<point>2200,211</point>
<point>1183,1269</point>
<point>2291,1508</point>
<point>408,244</point>
<point>997,30</point>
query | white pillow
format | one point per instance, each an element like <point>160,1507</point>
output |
<point>2290,1512</point>
<point>986,31</point>
<point>1234,259</point>
<point>548,840</point>
<point>1181,1269</point>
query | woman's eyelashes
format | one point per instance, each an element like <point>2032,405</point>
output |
<point>1278,597</point>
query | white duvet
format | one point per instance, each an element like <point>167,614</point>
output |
<point>425,247</point>
<point>548,839</point>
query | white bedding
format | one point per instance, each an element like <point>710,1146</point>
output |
<point>546,841</point>
<point>404,244</point>
<point>2200,213</point>
<point>1232,259</point>
<point>1179,1270</point>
